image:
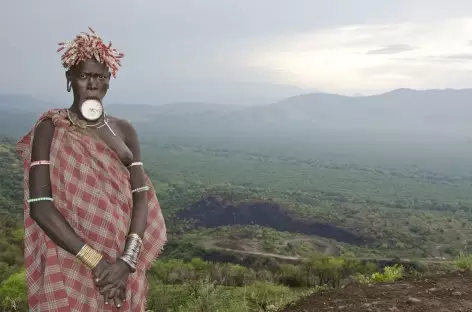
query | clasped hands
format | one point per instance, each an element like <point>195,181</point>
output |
<point>110,278</point>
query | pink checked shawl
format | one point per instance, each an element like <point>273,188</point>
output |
<point>91,188</point>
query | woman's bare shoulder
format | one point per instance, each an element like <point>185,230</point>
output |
<point>125,127</point>
<point>42,137</point>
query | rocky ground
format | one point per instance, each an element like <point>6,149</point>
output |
<point>449,292</point>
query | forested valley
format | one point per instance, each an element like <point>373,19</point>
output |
<point>257,222</point>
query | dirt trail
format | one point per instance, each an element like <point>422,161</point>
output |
<point>446,293</point>
<point>212,244</point>
<point>262,254</point>
<point>328,249</point>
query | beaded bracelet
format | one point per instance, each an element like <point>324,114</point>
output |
<point>39,162</point>
<point>140,189</point>
<point>138,163</point>
<point>32,200</point>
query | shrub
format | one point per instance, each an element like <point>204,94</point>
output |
<point>13,295</point>
<point>390,274</point>
<point>464,261</point>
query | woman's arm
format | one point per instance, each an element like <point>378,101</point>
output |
<point>49,219</point>
<point>137,180</point>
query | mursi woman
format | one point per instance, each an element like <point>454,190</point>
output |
<point>93,224</point>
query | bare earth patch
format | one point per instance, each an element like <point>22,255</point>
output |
<point>451,292</point>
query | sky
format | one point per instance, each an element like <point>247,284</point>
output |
<point>243,51</point>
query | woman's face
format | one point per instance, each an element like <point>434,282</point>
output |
<point>89,80</point>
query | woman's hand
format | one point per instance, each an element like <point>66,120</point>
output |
<point>119,295</point>
<point>100,268</point>
<point>116,295</point>
<point>111,280</point>
<point>111,275</point>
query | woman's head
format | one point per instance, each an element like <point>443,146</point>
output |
<point>89,79</point>
<point>89,63</point>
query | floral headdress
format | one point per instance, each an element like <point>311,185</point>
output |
<point>90,45</point>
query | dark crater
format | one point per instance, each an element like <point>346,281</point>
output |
<point>214,211</point>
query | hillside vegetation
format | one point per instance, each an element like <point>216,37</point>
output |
<point>256,223</point>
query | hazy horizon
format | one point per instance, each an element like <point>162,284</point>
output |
<point>262,103</point>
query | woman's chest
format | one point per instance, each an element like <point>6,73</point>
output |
<point>114,139</point>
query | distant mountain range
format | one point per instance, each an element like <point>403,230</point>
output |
<point>403,112</point>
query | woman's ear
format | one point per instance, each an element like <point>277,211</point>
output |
<point>68,75</point>
<point>69,82</point>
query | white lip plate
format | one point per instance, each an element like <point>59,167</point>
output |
<point>91,109</point>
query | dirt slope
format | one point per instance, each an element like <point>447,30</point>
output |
<point>451,292</point>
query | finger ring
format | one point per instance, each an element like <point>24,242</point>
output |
<point>97,280</point>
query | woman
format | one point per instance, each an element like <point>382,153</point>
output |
<point>93,225</point>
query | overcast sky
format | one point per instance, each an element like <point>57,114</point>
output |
<point>247,51</point>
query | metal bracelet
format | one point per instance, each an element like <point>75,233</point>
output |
<point>126,259</point>
<point>132,249</point>
<point>89,256</point>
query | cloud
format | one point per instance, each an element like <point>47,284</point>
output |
<point>451,58</point>
<point>335,60</point>
<point>308,43</point>
<point>460,57</point>
<point>392,49</point>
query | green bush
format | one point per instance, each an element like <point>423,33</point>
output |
<point>464,261</point>
<point>13,295</point>
<point>390,274</point>
<point>264,296</point>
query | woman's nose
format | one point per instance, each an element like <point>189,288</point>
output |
<point>92,83</point>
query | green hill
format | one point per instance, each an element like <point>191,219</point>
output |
<point>11,180</point>
<point>277,215</point>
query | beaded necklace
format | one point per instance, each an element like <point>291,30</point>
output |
<point>98,125</point>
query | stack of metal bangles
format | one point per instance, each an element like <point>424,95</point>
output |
<point>132,250</point>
